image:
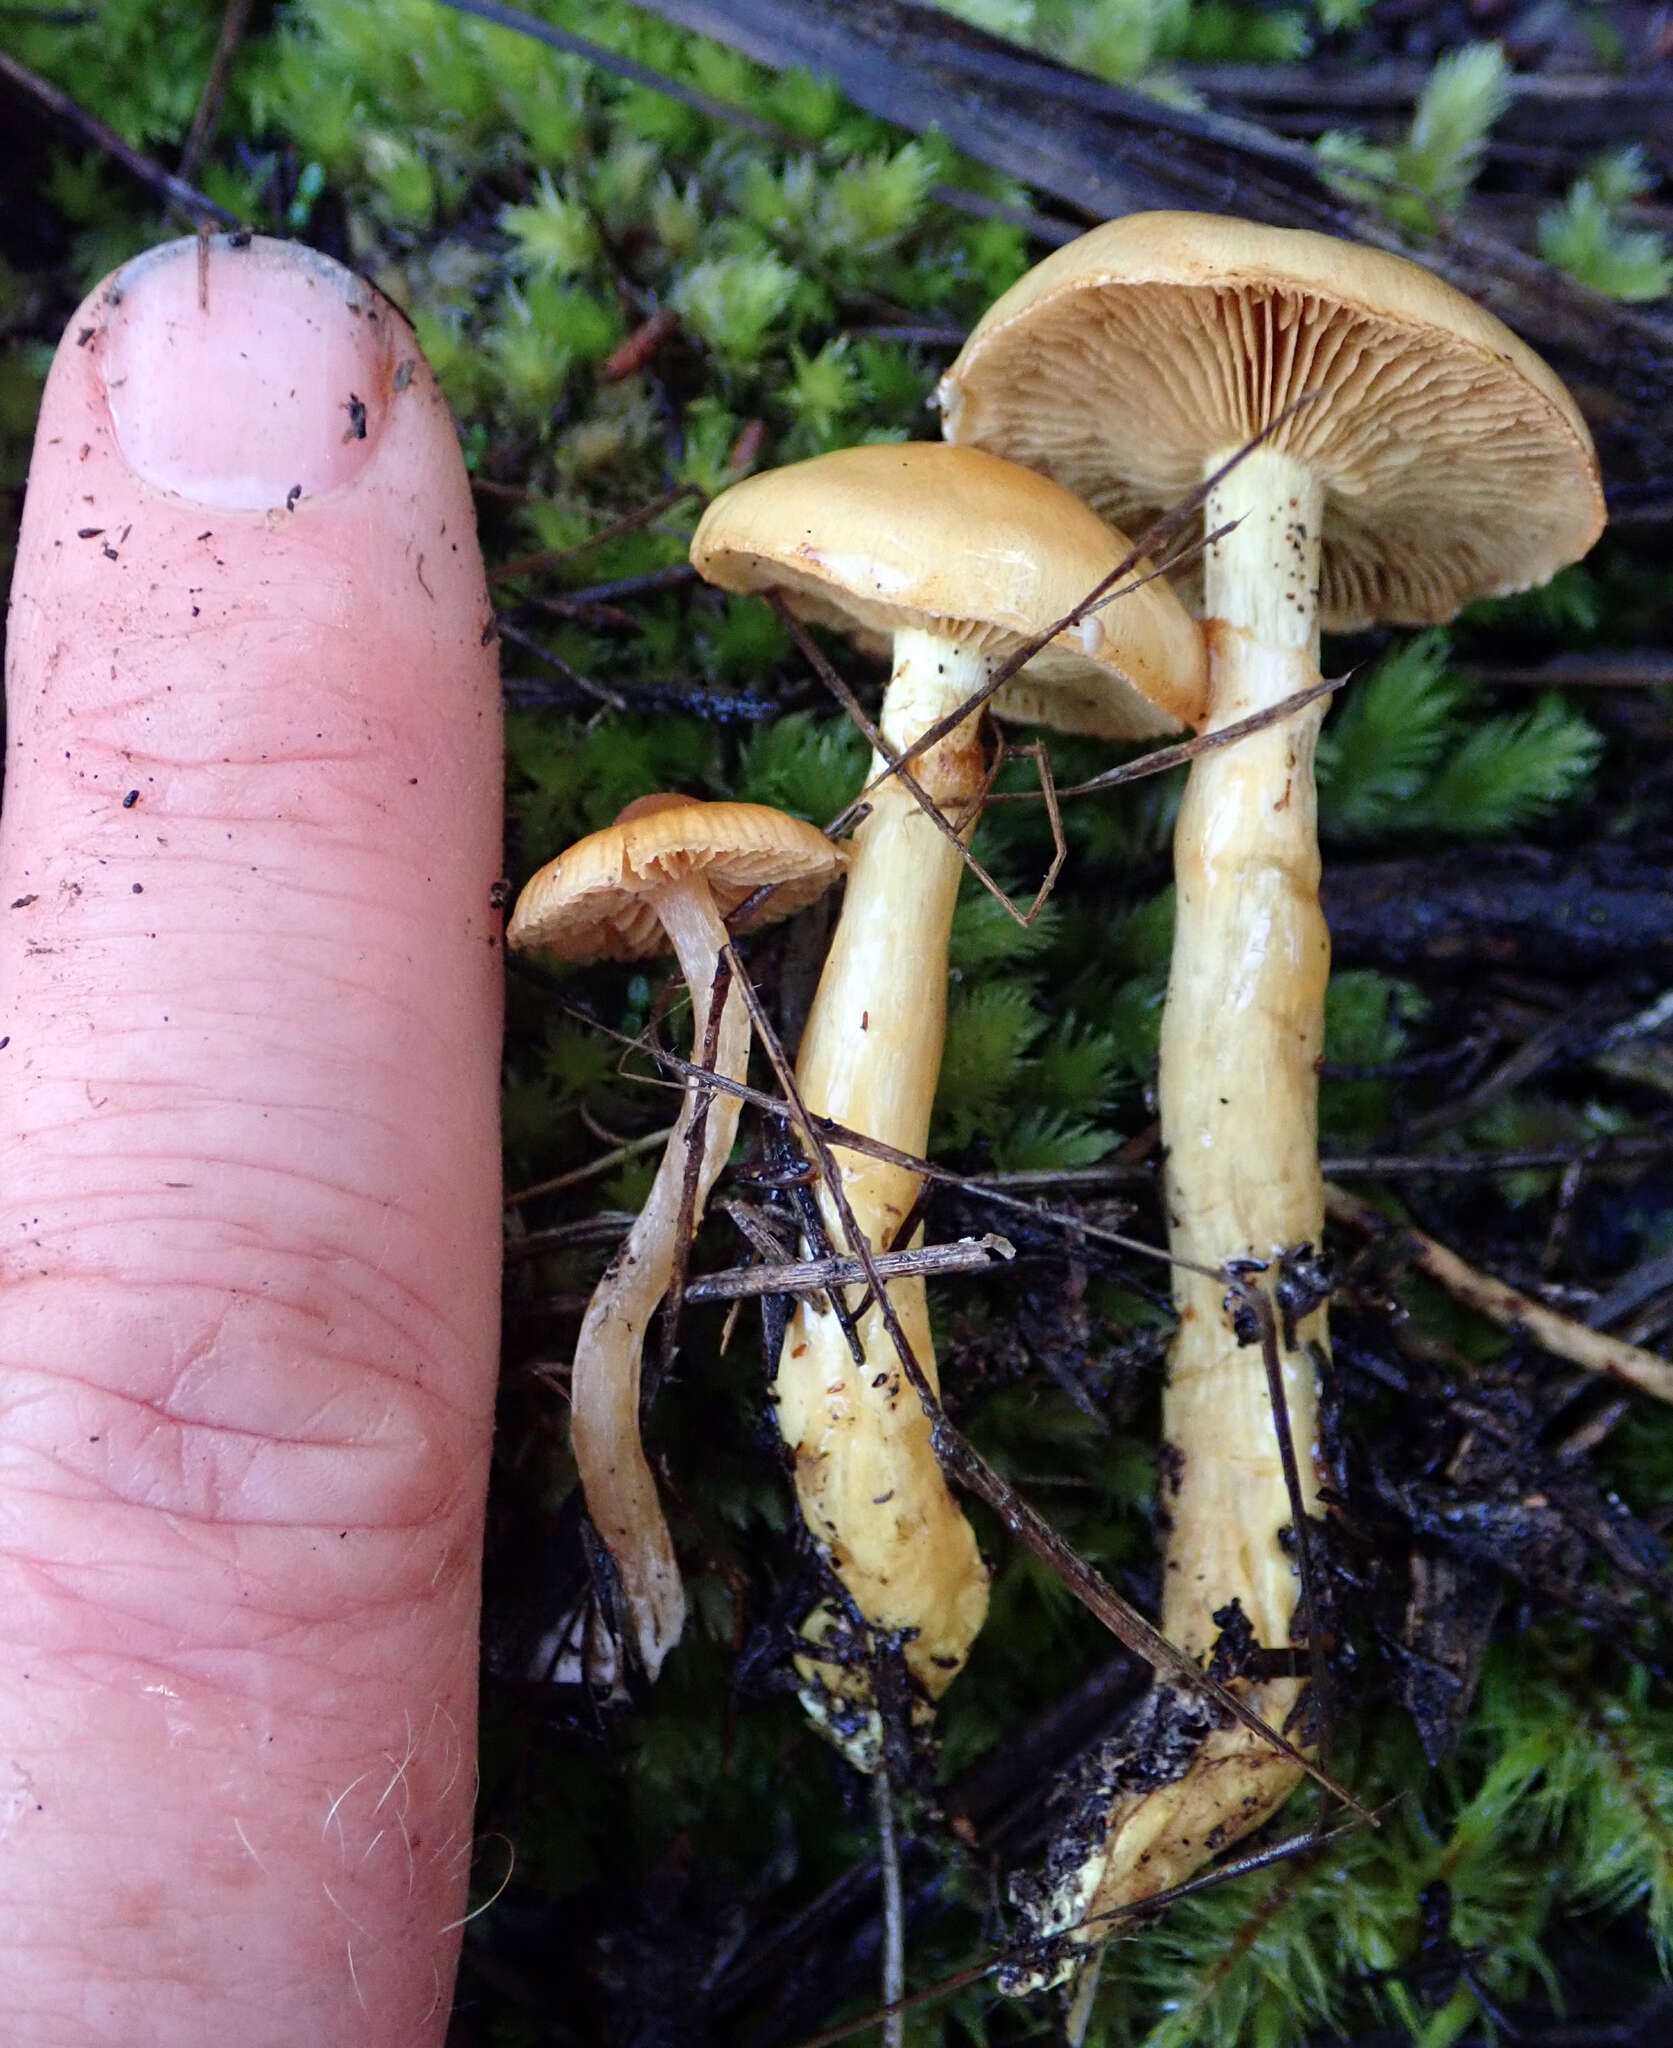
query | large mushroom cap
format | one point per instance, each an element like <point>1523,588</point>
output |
<point>598,900</point>
<point>1455,464</point>
<point>919,534</point>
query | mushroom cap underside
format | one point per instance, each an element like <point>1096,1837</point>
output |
<point>597,901</point>
<point>923,535</point>
<point>1454,462</point>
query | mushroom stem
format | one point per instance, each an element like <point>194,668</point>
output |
<point>867,1479</point>
<point>1241,1038</point>
<point>616,1479</point>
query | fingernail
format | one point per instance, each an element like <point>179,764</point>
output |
<point>245,373</point>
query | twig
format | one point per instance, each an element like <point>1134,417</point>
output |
<point>947,827</point>
<point>813,1276</point>
<point>204,120</point>
<point>1417,1165</point>
<point>1646,1280</point>
<point>1079,2016</point>
<point>1583,672</point>
<point>892,2034</point>
<point>1108,150</point>
<point>1156,539</point>
<point>609,1226</point>
<point>1602,1152</point>
<point>1537,1050</point>
<point>1043,227</point>
<point>1163,758</point>
<point>966,1466</point>
<point>519,638</point>
<point>593,1168</point>
<point>597,595</point>
<point>1312,1843</point>
<point>552,558</point>
<point>175,190</point>
<point>1504,1305</point>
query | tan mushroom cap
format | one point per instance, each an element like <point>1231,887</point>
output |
<point>1455,464</point>
<point>598,900</point>
<point>920,534</point>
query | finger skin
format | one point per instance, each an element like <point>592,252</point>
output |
<point>248,1194</point>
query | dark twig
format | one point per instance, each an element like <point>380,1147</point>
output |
<point>629,522</point>
<point>198,206</point>
<point>1417,1165</point>
<point>1364,1166</point>
<point>530,645</point>
<point>1115,1173</point>
<point>1300,1521</point>
<point>1639,671</point>
<point>893,2031</point>
<point>208,114</point>
<point>673,576</point>
<point>964,1464</point>
<point>1042,226</point>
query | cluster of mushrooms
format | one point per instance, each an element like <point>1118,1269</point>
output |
<point>1368,446</point>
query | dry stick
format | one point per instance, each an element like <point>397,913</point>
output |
<point>770,1247</point>
<point>176,191</point>
<point>685,1228</point>
<point>594,1167</point>
<point>813,1276</point>
<point>1164,758</point>
<point>949,828</point>
<point>893,2032</point>
<point>1162,531</point>
<point>1583,671</point>
<point>1042,226</point>
<point>1601,1152</point>
<point>672,576</point>
<point>629,522</point>
<point>208,113</point>
<point>1514,1311</point>
<point>1101,594</point>
<point>1415,1165</point>
<point>1292,1847</point>
<point>964,1463</point>
<point>519,638</point>
<point>838,1134</point>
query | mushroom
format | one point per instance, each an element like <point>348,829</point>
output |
<point>957,559</point>
<point>1414,456</point>
<point>665,874</point>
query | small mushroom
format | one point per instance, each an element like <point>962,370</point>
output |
<point>1417,456</point>
<point>955,559</point>
<point>665,874</point>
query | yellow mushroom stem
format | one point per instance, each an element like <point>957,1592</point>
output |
<point>1241,1039</point>
<point>867,1479</point>
<point>617,1482</point>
